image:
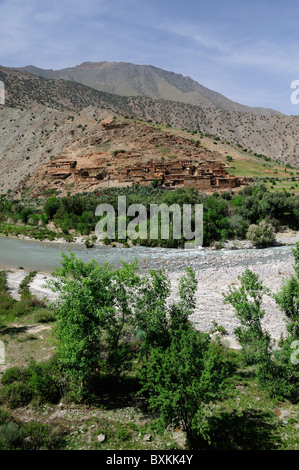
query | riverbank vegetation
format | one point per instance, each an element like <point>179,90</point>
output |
<point>126,369</point>
<point>226,216</point>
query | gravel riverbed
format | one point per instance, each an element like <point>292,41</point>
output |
<point>215,271</point>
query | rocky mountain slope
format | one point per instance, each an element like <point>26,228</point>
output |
<point>112,145</point>
<point>43,117</point>
<point>125,79</point>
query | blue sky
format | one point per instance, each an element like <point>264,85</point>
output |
<point>246,50</point>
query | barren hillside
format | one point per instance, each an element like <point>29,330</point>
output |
<point>126,79</point>
<point>111,145</point>
<point>44,119</point>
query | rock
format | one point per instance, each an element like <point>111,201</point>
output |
<point>101,438</point>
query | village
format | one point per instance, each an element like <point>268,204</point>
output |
<point>204,176</point>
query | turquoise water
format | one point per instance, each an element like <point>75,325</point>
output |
<point>45,256</point>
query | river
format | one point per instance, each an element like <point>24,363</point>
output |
<point>215,272</point>
<point>46,256</point>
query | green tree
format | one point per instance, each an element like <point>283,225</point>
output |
<point>288,298</point>
<point>275,369</point>
<point>247,302</point>
<point>155,314</point>
<point>79,312</point>
<point>118,327</point>
<point>51,206</point>
<point>92,313</point>
<point>181,378</point>
<point>215,220</point>
<point>280,373</point>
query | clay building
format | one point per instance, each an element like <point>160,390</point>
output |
<point>170,174</point>
<point>92,175</point>
<point>62,165</point>
<point>60,169</point>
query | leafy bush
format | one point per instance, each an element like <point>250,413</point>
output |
<point>7,303</point>
<point>278,375</point>
<point>16,394</point>
<point>11,436</point>
<point>43,315</point>
<point>262,234</point>
<point>39,381</point>
<point>27,436</point>
<point>22,307</point>
<point>24,285</point>
<point>275,370</point>
<point>247,302</point>
<point>4,417</point>
<point>44,381</point>
<point>182,378</point>
<point>122,433</point>
<point>14,374</point>
<point>3,282</point>
<point>37,436</point>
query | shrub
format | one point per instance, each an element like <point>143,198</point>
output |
<point>6,303</point>
<point>247,302</point>
<point>24,285</point>
<point>43,380</point>
<point>40,381</point>
<point>277,375</point>
<point>37,436</point>
<point>10,437</point>
<point>276,371</point>
<point>43,315</point>
<point>3,281</point>
<point>122,433</point>
<point>17,394</point>
<point>262,234</point>
<point>182,378</point>
<point>23,307</point>
<point>4,417</point>
<point>14,374</point>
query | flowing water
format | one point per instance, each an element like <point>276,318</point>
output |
<point>45,256</point>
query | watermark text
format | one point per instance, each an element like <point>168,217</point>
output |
<point>2,93</point>
<point>156,222</point>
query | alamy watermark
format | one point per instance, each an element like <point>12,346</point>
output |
<point>2,93</point>
<point>295,354</point>
<point>2,353</point>
<point>295,93</point>
<point>159,222</point>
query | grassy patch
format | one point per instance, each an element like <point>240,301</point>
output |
<point>267,172</point>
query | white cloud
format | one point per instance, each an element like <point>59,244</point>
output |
<point>245,51</point>
<point>31,29</point>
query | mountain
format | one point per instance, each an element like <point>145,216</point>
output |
<point>24,90</point>
<point>127,79</point>
<point>42,117</point>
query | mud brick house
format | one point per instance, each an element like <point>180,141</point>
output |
<point>203,176</point>
<point>92,175</point>
<point>185,173</point>
<point>60,169</point>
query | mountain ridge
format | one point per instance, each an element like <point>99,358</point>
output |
<point>127,79</point>
<point>36,123</point>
